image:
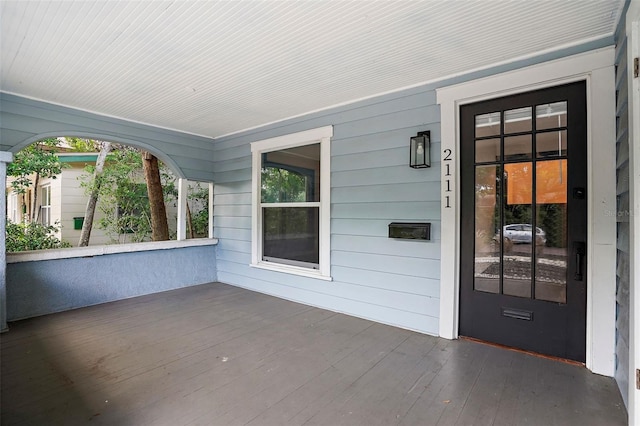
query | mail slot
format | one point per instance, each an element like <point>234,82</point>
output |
<point>410,230</point>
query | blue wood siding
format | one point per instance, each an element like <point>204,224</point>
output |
<point>25,120</point>
<point>623,211</point>
<point>391,281</point>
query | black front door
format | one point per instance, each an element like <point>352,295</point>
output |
<point>524,221</point>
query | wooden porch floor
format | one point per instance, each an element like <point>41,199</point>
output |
<point>220,355</point>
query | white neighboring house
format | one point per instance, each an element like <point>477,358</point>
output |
<point>63,200</point>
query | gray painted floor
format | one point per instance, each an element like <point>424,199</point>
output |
<point>220,355</point>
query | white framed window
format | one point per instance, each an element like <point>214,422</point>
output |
<point>12,206</point>
<point>291,203</point>
<point>45,205</point>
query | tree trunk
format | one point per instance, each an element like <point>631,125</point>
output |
<point>159,223</point>
<point>34,201</point>
<point>90,211</point>
<point>192,233</point>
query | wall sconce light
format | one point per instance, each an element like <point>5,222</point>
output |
<point>420,150</point>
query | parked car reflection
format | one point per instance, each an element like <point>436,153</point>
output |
<point>521,233</point>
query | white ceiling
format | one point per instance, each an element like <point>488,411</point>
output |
<point>213,68</point>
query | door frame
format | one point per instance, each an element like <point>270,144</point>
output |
<point>633,51</point>
<point>597,69</point>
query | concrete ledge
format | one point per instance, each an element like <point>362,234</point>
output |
<point>72,252</point>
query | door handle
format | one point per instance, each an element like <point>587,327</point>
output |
<point>580,250</point>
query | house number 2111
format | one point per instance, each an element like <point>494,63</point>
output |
<point>447,177</point>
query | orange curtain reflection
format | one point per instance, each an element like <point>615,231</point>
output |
<point>551,182</point>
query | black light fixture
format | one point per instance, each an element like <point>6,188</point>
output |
<point>420,150</point>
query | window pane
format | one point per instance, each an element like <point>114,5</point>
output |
<point>291,175</point>
<point>488,124</point>
<point>517,120</point>
<point>487,150</point>
<point>487,245</point>
<point>550,116</point>
<point>551,234</point>
<point>517,147</point>
<point>551,144</point>
<point>517,230</point>
<point>291,234</point>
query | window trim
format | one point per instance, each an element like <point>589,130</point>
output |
<point>45,188</point>
<point>320,135</point>
<point>12,206</point>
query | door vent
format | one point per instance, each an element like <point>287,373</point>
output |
<point>517,314</point>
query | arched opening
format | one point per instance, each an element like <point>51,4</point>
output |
<point>54,177</point>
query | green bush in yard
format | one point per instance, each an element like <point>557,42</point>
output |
<point>32,236</point>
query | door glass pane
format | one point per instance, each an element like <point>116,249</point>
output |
<point>551,144</point>
<point>488,124</point>
<point>517,120</point>
<point>517,147</point>
<point>517,230</point>
<point>488,150</point>
<point>551,116</point>
<point>551,235</point>
<point>487,223</point>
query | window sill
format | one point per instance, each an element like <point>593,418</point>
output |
<point>90,251</point>
<point>293,270</point>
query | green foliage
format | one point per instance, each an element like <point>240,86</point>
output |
<point>82,145</point>
<point>122,198</point>
<point>281,185</point>
<point>552,218</point>
<point>32,236</point>
<point>38,158</point>
<point>198,199</point>
<point>124,202</point>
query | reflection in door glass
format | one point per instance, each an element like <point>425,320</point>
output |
<point>551,144</point>
<point>517,230</point>
<point>488,124</point>
<point>487,150</point>
<point>551,242</point>
<point>517,120</point>
<point>487,235</point>
<point>517,147</point>
<point>551,116</point>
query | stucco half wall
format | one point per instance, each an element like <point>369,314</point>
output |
<point>55,281</point>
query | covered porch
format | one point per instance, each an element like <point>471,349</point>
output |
<point>216,354</point>
<point>211,87</point>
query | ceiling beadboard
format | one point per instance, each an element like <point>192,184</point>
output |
<point>212,68</point>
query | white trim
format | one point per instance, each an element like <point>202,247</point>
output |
<point>45,188</point>
<point>291,269</point>
<point>73,252</point>
<point>211,195</point>
<point>596,68</point>
<point>12,206</point>
<point>291,140</point>
<point>633,51</point>
<point>320,135</point>
<point>181,221</point>
<point>296,204</point>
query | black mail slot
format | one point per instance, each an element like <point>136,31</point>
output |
<point>410,230</point>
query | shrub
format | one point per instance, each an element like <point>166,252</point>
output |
<point>32,236</point>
